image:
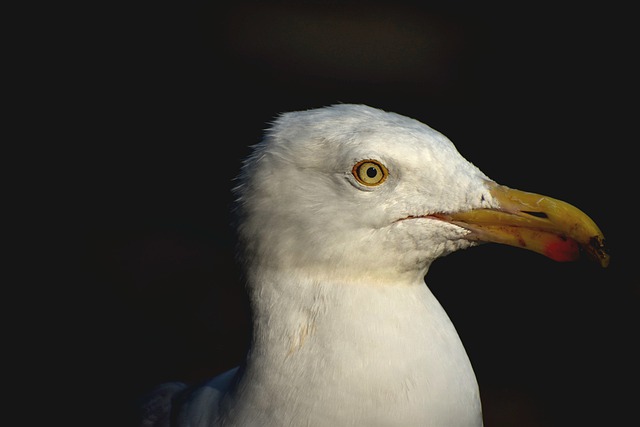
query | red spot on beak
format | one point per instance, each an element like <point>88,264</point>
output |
<point>562,250</point>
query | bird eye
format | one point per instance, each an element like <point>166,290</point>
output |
<point>370,172</point>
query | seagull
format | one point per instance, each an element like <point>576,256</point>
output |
<point>340,212</point>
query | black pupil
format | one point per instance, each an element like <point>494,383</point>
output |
<point>372,172</point>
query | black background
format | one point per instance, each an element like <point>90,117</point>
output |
<point>165,99</point>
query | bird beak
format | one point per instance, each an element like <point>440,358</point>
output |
<point>531,221</point>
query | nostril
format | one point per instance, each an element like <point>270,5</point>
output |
<point>536,214</point>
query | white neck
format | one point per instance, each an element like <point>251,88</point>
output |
<point>335,353</point>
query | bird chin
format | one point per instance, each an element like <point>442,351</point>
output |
<point>449,237</point>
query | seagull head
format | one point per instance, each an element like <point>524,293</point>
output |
<point>350,192</point>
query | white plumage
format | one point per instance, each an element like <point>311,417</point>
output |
<point>341,211</point>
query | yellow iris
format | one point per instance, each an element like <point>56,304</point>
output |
<point>370,172</point>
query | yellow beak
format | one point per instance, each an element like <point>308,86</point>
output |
<point>531,221</point>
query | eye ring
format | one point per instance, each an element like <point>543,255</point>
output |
<point>370,172</point>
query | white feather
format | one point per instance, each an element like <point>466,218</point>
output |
<point>345,331</point>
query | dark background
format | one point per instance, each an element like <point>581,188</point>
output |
<point>166,99</point>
